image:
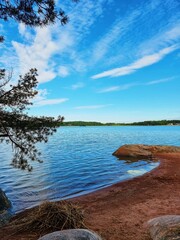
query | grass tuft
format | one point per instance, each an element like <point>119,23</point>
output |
<point>51,216</point>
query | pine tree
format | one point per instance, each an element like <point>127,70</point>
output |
<point>16,126</point>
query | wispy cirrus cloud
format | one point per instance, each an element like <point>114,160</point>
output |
<point>41,99</point>
<point>160,81</point>
<point>128,86</point>
<point>46,102</point>
<point>77,86</point>
<point>170,35</point>
<point>138,64</point>
<point>42,47</point>
<point>56,40</point>
<point>92,106</point>
<point>117,88</point>
<point>117,44</point>
<point>121,47</point>
<point>116,32</point>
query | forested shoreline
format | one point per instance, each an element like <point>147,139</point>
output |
<point>144,123</point>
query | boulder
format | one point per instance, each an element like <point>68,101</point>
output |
<point>5,217</point>
<point>71,234</point>
<point>143,151</point>
<point>4,201</point>
<point>5,205</point>
<point>165,227</point>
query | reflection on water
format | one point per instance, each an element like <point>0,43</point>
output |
<point>78,161</point>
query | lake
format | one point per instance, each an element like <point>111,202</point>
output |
<point>78,160</point>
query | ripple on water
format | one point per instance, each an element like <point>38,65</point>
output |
<point>78,161</point>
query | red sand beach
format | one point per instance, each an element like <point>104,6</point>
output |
<point>120,212</point>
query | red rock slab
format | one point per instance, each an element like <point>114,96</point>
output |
<point>145,151</point>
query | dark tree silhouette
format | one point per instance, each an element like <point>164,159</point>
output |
<point>16,127</point>
<point>32,12</point>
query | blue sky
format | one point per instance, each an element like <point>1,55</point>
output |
<point>115,61</point>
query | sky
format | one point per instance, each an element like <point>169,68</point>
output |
<point>115,61</point>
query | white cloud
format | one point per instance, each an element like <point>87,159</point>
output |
<point>117,88</point>
<point>109,89</point>
<point>67,45</point>
<point>82,17</point>
<point>63,71</point>
<point>117,40</point>
<point>173,33</point>
<point>56,40</point>
<point>141,63</point>
<point>169,36</point>
<point>41,99</point>
<point>160,81</point>
<point>22,29</point>
<point>46,102</point>
<point>127,86</point>
<point>116,32</point>
<point>92,106</point>
<point>77,85</point>
<point>128,38</point>
<point>38,54</point>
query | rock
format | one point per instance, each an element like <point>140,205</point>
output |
<point>5,205</point>
<point>143,151</point>
<point>5,217</point>
<point>71,234</point>
<point>165,227</point>
<point>4,201</point>
<point>135,151</point>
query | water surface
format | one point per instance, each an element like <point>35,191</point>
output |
<point>78,160</point>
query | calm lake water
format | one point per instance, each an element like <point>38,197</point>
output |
<point>78,160</point>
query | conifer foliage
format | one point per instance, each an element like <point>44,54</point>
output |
<point>16,127</point>
<point>32,12</point>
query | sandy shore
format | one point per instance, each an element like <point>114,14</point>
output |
<point>120,212</point>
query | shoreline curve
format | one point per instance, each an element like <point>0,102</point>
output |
<point>121,211</point>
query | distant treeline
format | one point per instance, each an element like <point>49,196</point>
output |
<point>82,123</point>
<point>156,123</point>
<point>145,123</point>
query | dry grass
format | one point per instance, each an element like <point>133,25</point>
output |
<point>51,216</point>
